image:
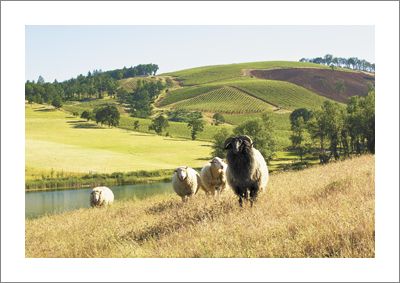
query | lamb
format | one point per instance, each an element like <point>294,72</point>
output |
<point>247,171</point>
<point>186,182</point>
<point>101,196</point>
<point>213,176</point>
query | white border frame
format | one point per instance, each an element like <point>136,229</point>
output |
<point>385,17</point>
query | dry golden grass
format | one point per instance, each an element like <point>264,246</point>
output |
<point>325,211</point>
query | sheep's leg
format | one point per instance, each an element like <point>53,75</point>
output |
<point>253,195</point>
<point>245,196</point>
<point>217,189</point>
<point>241,201</point>
<point>241,195</point>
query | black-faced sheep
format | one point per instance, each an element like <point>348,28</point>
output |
<point>213,176</point>
<point>186,182</point>
<point>247,171</point>
<point>101,196</point>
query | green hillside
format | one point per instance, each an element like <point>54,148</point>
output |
<point>207,74</point>
<point>281,94</point>
<point>225,100</point>
<point>228,89</point>
<point>184,93</point>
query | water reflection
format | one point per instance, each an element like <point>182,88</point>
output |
<point>50,202</point>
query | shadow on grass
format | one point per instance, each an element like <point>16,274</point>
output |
<point>45,110</point>
<point>206,145</point>
<point>139,135</point>
<point>86,126</point>
<point>76,121</point>
<point>175,139</point>
<point>204,158</point>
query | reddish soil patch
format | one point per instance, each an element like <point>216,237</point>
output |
<point>336,85</point>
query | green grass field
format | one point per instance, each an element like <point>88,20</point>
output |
<point>55,140</point>
<point>175,129</point>
<point>325,211</point>
<point>208,74</point>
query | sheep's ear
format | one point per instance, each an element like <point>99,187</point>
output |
<point>227,143</point>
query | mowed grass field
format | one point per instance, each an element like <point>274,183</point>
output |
<point>55,140</point>
<point>324,211</point>
<point>175,129</point>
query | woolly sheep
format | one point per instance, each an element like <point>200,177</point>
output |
<point>247,171</point>
<point>101,196</point>
<point>213,176</point>
<point>186,182</point>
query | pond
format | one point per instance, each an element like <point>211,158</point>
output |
<point>51,202</point>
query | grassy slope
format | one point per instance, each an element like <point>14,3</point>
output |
<point>184,93</point>
<point>325,211</point>
<point>283,95</point>
<point>224,100</point>
<point>55,140</point>
<point>175,129</point>
<point>207,74</point>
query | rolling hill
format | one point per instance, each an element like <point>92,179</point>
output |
<point>242,92</point>
<point>226,99</point>
<point>336,85</point>
<point>287,85</point>
<point>208,74</point>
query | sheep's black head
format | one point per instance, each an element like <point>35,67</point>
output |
<point>238,144</point>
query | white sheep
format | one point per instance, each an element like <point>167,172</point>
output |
<point>101,196</point>
<point>186,182</point>
<point>213,176</point>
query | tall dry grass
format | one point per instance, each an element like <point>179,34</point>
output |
<point>325,211</point>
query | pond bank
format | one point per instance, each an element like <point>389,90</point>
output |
<point>95,179</point>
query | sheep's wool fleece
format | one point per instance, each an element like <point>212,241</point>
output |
<point>189,186</point>
<point>106,197</point>
<point>262,165</point>
<point>210,181</point>
<point>259,172</point>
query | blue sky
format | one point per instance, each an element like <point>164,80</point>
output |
<point>62,52</point>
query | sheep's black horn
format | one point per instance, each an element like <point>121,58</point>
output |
<point>227,143</point>
<point>247,138</point>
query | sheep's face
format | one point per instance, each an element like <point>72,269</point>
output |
<point>217,163</point>
<point>238,144</point>
<point>182,173</point>
<point>96,196</point>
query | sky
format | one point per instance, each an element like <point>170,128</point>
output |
<point>63,52</point>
